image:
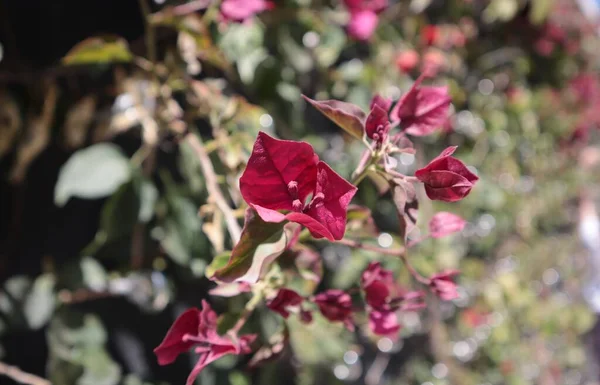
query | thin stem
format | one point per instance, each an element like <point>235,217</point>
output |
<point>20,376</point>
<point>416,275</point>
<point>212,185</point>
<point>248,309</point>
<point>150,35</point>
<point>363,173</point>
<point>381,250</point>
<point>373,376</point>
<point>82,295</point>
<point>190,7</point>
<point>417,241</point>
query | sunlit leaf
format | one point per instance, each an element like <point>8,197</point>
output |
<point>91,173</point>
<point>259,245</point>
<point>40,302</point>
<point>99,50</point>
<point>347,116</point>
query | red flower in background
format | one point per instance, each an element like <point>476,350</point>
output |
<point>199,328</point>
<point>282,174</point>
<point>441,284</point>
<point>430,34</point>
<point>445,223</point>
<point>241,10</point>
<point>422,110</point>
<point>446,178</point>
<point>363,17</point>
<point>284,300</point>
<point>407,60</point>
<point>384,298</point>
<point>433,62</point>
<point>336,306</point>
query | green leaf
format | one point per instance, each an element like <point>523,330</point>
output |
<point>148,195</point>
<point>40,302</point>
<point>295,54</point>
<point>318,342</point>
<point>99,368</point>
<point>346,115</point>
<point>182,230</point>
<point>77,353</point>
<point>241,39</point>
<point>218,262</point>
<point>331,44</point>
<point>91,173</point>
<point>120,213</point>
<point>94,274</point>
<point>99,50</point>
<point>189,165</point>
<point>539,11</point>
<point>259,245</point>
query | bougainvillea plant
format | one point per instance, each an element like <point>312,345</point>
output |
<point>288,189</point>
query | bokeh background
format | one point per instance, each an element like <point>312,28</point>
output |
<point>107,226</point>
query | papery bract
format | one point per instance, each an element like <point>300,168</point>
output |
<point>336,306</point>
<point>406,61</point>
<point>445,223</point>
<point>441,284</point>
<point>199,327</point>
<point>378,100</point>
<point>422,110</point>
<point>384,323</point>
<point>281,174</point>
<point>373,5</point>
<point>363,17</point>
<point>377,125</point>
<point>378,285</point>
<point>380,289</point>
<point>362,24</point>
<point>446,178</point>
<point>347,116</point>
<point>284,300</point>
<point>240,10</point>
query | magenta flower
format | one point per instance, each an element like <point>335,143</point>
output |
<point>441,284</point>
<point>423,109</point>
<point>241,10</point>
<point>445,223</point>
<point>377,124</point>
<point>199,328</point>
<point>446,178</point>
<point>336,306</point>
<point>384,297</point>
<point>282,174</point>
<point>284,300</point>
<point>363,17</point>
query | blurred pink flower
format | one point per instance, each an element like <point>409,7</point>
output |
<point>240,10</point>
<point>363,17</point>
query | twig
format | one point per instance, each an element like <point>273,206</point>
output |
<point>212,185</point>
<point>416,275</point>
<point>20,376</point>
<point>438,340</point>
<point>190,7</point>
<point>150,36</point>
<point>373,376</point>
<point>82,295</point>
<point>360,245</point>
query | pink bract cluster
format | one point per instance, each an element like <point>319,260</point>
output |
<point>287,186</point>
